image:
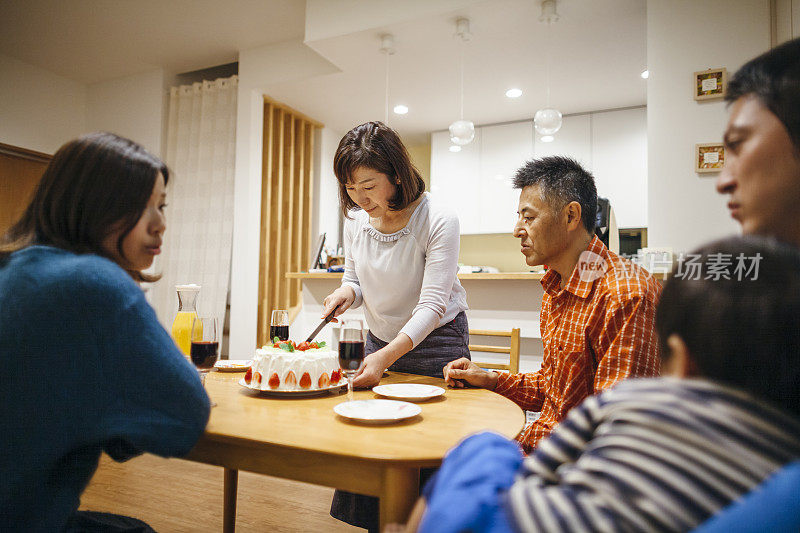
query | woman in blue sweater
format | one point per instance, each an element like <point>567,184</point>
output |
<point>85,367</point>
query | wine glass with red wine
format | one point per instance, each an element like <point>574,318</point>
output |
<point>279,325</point>
<point>205,344</point>
<point>351,351</point>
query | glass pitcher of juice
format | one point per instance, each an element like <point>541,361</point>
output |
<point>187,312</point>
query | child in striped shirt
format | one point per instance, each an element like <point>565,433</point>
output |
<point>661,454</point>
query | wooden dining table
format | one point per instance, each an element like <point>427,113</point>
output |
<point>303,439</point>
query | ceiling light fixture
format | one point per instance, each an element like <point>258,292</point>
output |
<point>645,74</point>
<point>400,109</point>
<point>387,49</point>
<point>547,138</point>
<point>455,148</point>
<point>462,131</point>
<point>514,93</point>
<point>547,120</point>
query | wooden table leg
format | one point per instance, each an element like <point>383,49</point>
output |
<point>400,491</point>
<point>229,500</point>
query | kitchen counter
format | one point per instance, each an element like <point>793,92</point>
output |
<point>477,276</point>
<point>497,301</point>
<point>481,275</point>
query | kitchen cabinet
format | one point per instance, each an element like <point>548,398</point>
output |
<point>574,139</point>
<point>504,148</point>
<point>476,182</point>
<point>457,178</point>
<point>619,163</point>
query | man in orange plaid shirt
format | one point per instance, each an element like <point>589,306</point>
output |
<point>598,309</point>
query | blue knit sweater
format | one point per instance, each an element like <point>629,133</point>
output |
<point>85,367</point>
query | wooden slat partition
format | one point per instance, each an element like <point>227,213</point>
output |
<point>286,200</point>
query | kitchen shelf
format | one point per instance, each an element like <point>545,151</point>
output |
<point>478,276</point>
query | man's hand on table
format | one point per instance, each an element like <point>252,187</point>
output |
<point>463,371</point>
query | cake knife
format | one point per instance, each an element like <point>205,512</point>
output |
<point>322,325</point>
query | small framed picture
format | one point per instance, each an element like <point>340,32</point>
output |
<point>710,84</point>
<point>709,157</point>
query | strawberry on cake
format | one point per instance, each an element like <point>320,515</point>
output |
<point>286,366</point>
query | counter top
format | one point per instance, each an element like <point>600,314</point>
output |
<point>479,276</point>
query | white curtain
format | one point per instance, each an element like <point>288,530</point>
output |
<point>201,144</point>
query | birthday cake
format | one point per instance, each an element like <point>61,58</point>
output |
<point>286,366</point>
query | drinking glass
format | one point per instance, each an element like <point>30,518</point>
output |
<point>205,344</point>
<point>279,325</point>
<point>351,350</point>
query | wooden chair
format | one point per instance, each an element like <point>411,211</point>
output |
<point>512,350</point>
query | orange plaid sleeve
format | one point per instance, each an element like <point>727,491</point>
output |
<point>526,390</point>
<point>626,343</point>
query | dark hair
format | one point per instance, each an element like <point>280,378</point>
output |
<point>93,186</point>
<point>562,180</point>
<point>746,332</point>
<point>774,78</point>
<point>375,145</point>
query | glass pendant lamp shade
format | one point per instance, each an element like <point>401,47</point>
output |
<point>462,132</point>
<point>547,121</point>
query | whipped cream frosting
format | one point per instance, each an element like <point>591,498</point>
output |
<point>277,369</point>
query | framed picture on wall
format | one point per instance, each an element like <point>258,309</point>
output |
<point>709,157</point>
<point>710,84</point>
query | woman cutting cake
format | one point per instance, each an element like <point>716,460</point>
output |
<point>401,264</point>
<point>401,259</point>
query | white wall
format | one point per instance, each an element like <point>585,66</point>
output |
<point>684,36</point>
<point>132,106</point>
<point>39,110</point>
<point>258,69</point>
<point>326,190</point>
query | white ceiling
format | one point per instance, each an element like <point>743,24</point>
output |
<point>598,49</point>
<point>96,40</point>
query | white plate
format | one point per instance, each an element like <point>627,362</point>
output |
<point>296,393</point>
<point>232,365</point>
<point>377,411</point>
<point>414,392</point>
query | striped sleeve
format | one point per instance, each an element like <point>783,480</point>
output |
<point>647,456</point>
<point>564,445</point>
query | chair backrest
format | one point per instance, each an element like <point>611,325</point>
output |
<point>512,349</point>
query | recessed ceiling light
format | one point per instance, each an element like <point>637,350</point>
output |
<point>455,148</point>
<point>400,109</point>
<point>547,138</point>
<point>514,93</point>
<point>645,74</point>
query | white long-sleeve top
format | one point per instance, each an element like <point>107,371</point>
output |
<point>406,280</point>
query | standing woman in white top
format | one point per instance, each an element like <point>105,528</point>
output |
<point>401,259</point>
<point>401,264</point>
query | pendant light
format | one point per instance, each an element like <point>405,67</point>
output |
<point>462,131</point>
<point>547,120</point>
<point>387,49</point>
